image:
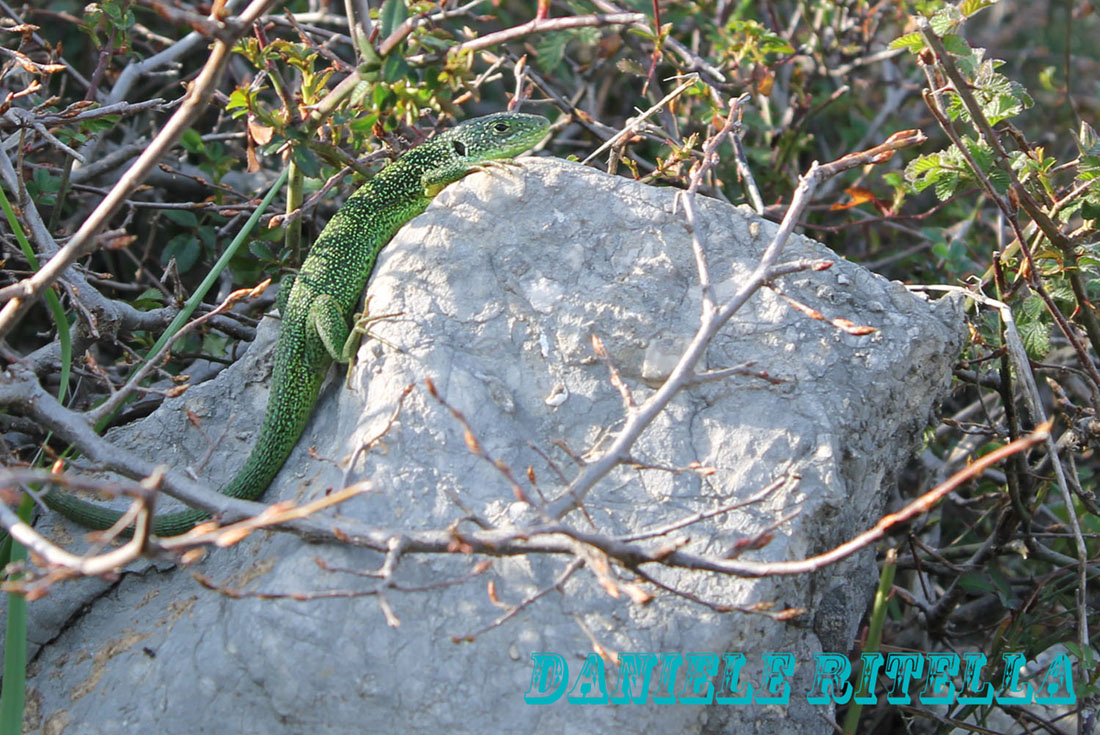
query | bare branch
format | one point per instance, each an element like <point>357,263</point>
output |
<point>546,25</point>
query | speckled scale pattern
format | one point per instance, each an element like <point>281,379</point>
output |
<point>328,288</point>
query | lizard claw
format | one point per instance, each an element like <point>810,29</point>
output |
<point>506,165</point>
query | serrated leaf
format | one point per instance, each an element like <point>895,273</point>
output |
<point>550,50</point>
<point>1089,210</point>
<point>1087,139</point>
<point>912,42</point>
<point>955,44</point>
<point>1088,262</point>
<point>1066,212</point>
<point>970,7</point>
<point>589,36</point>
<point>922,164</point>
<point>629,66</point>
<point>999,179</point>
<point>1032,308</point>
<point>1088,167</point>
<point>945,19</point>
<point>261,250</point>
<point>945,185</point>
<point>215,343</point>
<point>1036,338</point>
<point>980,152</point>
<point>1062,293</point>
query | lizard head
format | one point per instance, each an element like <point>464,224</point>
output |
<point>500,135</point>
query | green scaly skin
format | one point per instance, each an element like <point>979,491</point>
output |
<point>318,325</point>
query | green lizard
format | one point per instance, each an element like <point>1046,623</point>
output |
<point>318,325</point>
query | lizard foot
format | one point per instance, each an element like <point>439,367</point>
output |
<point>360,327</point>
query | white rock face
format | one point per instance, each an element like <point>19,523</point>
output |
<point>499,288</point>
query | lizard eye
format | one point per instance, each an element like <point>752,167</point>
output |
<point>460,147</point>
<point>501,127</point>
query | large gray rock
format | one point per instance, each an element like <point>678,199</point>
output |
<point>499,287</point>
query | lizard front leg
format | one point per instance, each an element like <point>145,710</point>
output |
<point>329,322</point>
<point>340,341</point>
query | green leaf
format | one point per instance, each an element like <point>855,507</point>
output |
<point>1001,587</point>
<point>1090,210</point>
<point>215,343</point>
<point>923,164</point>
<point>185,249</point>
<point>630,66</point>
<point>363,125</point>
<point>1032,308</point>
<point>945,19</point>
<point>191,141</point>
<point>379,95</point>
<point>237,98</point>
<point>307,162</point>
<point>149,299</point>
<point>438,44</point>
<point>946,185</point>
<point>999,179</point>
<point>1047,78</point>
<point>261,250</point>
<point>1034,332</point>
<point>956,45</point>
<point>976,582</point>
<point>394,68</point>
<point>1087,140</point>
<point>183,217</point>
<point>912,42</point>
<point>970,7</point>
<point>894,179</point>
<point>394,14</point>
<point>550,49</point>
<point>1069,210</point>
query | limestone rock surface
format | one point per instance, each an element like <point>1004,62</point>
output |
<point>497,291</point>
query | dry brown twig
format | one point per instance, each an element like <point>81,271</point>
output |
<point>58,562</point>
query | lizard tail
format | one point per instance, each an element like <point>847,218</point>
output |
<point>294,391</point>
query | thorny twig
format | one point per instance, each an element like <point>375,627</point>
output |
<point>1034,402</point>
